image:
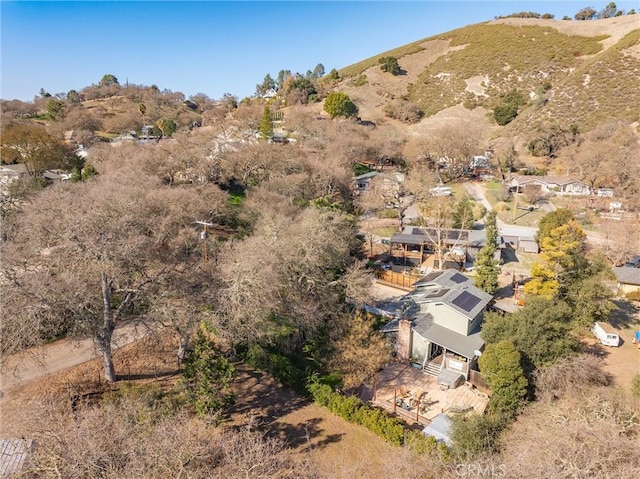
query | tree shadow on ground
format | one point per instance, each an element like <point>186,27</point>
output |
<point>509,255</point>
<point>308,433</point>
<point>504,292</point>
<point>626,315</point>
<point>134,377</point>
<point>258,395</point>
<point>595,349</point>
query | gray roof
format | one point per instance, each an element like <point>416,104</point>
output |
<point>417,236</point>
<point>390,327</point>
<point>370,174</point>
<point>13,453</point>
<point>522,232</point>
<point>452,288</point>
<point>440,428</point>
<point>458,343</point>
<point>16,169</point>
<point>449,278</point>
<point>627,275</point>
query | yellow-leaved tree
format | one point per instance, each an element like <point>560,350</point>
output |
<point>559,252</point>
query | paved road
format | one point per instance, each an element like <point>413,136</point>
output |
<point>20,369</point>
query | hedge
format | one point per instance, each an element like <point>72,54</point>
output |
<point>379,422</point>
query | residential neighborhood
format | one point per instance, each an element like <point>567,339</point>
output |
<point>418,263</point>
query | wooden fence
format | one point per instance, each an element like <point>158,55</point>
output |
<point>399,279</point>
<point>478,381</point>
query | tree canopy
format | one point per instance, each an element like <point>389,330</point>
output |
<point>390,65</point>
<point>31,145</point>
<point>500,366</point>
<point>539,331</point>
<point>108,79</point>
<point>104,254</point>
<point>339,104</point>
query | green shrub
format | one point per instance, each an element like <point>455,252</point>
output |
<point>281,367</point>
<point>207,376</point>
<point>256,357</point>
<point>387,213</point>
<point>390,65</point>
<point>476,436</point>
<point>421,444</point>
<point>320,393</point>
<point>339,104</point>
<point>504,114</point>
<point>360,80</point>
<point>351,409</point>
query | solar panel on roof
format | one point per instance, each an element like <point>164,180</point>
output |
<point>466,301</point>
<point>458,278</point>
<point>430,277</point>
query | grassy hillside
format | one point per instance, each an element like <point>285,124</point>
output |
<point>605,87</point>
<point>507,56</point>
<point>360,67</point>
<point>587,70</point>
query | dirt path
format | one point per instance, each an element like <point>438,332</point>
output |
<point>477,193</point>
<point>20,369</point>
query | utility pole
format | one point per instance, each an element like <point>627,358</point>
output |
<point>203,236</point>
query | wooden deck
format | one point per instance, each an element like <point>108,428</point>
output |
<point>405,384</point>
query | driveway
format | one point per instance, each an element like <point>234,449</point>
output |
<point>477,193</point>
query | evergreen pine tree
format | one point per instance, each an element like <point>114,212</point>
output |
<point>266,124</point>
<point>487,270</point>
<point>463,215</point>
<point>491,228</point>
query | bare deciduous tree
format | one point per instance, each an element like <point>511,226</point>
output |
<point>104,441</point>
<point>285,279</point>
<point>99,256</point>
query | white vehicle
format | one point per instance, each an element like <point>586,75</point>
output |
<point>606,334</point>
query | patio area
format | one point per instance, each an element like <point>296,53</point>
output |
<point>419,398</point>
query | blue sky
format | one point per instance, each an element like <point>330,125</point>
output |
<point>218,47</point>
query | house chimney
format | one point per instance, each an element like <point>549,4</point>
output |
<point>404,339</point>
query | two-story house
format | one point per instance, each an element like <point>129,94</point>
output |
<point>439,328</point>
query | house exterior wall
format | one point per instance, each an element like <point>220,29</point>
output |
<point>472,325</point>
<point>575,189</point>
<point>449,318</point>
<point>404,339</point>
<point>419,347</point>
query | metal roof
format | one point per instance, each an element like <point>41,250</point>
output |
<point>13,453</point>
<point>456,342</point>
<point>627,275</point>
<point>454,289</point>
<point>440,428</point>
<point>417,236</point>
